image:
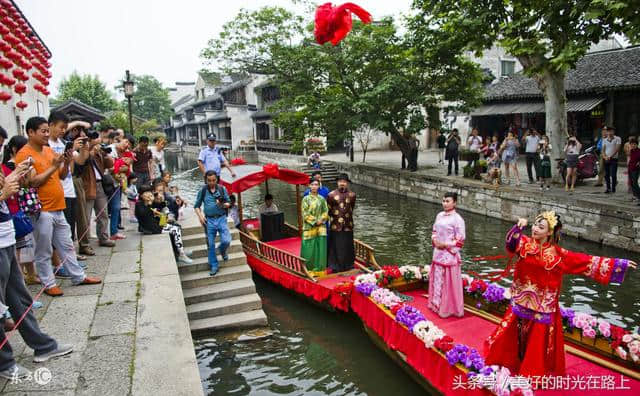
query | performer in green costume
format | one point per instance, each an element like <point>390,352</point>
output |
<point>314,232</point>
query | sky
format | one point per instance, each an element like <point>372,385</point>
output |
<point>161,38</point>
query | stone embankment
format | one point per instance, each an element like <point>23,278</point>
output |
<point>586,216</point>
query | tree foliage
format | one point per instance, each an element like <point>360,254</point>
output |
<point>87,89</point>
<point>374,77</point>
<point>548,38</point>
<point>120,119</point>
<point>150,99</point>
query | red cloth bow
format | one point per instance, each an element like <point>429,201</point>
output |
<point>271,170</point>
<point>238,161</point>
<point>334,23</point>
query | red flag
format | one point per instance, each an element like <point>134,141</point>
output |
<point>334,23</point>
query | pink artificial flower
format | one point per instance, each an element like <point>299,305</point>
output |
<point>589,332</point>
<point>621,352</point>
<point>634,348</point>
<point>627,338</point>
<point>605,328</point>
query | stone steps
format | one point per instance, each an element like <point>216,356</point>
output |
<point>225,306</point>
<point>225,274</point>
<point>329,172</point>
<point>202,263</point>
<point>202,250</point>
<point>219,291</point>
<point>199,238</point>
<point>255,318</point>
<point>227,300</point>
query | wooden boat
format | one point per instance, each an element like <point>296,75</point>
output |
<point>279,261</point>
<point>430,368</point>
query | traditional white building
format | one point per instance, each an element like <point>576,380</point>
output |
<point>28,44</point>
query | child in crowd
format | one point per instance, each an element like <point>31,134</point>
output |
<point>233,211</point>
<point>149,212</point>
<point>181,204</point>
<point>494,163</point>
<point>545,163</point>
<point>132,196</point>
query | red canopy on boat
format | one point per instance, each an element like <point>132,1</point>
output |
<point>248,176</point>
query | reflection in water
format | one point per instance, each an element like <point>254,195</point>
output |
<point>318,352</point>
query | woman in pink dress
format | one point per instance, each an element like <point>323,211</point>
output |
<point>445,281</point>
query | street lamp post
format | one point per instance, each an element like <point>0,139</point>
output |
<point>351,148</point>
<point>128,93</point>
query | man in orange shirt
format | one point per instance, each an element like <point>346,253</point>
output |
<point>50,228</point>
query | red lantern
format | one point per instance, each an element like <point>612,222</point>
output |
<point>4,46</point>
<point>21,105</point>
<point>3,13</point>
<point>45,82</point>
<point>8,81</point>
<point>20,88</point>
<point>46,92</point>
<point>16,73</point>
<point>6,63</point>
<point>38,87</point>
<point>4,96</point>
<point>4,30</point>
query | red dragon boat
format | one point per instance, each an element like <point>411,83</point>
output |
<point>279,260</point>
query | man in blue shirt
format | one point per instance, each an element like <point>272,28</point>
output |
<point>215,199</point>
<point>211,159</point>
<point>322,191</point>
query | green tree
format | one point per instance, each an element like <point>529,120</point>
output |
<point>375,77</point>
<point>120,119</point>
<point>150,99</point>
<point>87,89</point>
<point>548,38</point>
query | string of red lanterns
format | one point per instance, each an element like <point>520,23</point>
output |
<point>22,51</point>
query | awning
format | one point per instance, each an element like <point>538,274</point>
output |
<point>509,108</point>
<point>583,104</point>
<point>248,176</point>
<point>573,105</point>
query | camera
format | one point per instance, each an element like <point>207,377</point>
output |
<point>105,148</point>
<point>93,134</point>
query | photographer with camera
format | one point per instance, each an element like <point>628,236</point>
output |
<point>50,228</point>
<point>572,151</point>
<point>98,186</point>
<point>76,133</point>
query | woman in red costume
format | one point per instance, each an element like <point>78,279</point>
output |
<point>529,339</point>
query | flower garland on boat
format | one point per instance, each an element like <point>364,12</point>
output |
<point>498,297</point>
<point>433,337</point>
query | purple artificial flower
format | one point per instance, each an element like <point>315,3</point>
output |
<point>452,357</point>
<point>366,288</point>
<point>486,370</point>
<point>494,293</point>
<point>409,316</point>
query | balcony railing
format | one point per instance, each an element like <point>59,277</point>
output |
<point>274,145</point>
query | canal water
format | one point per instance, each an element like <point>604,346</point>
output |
<point>316,352</point>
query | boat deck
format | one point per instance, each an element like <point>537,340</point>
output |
<point>472,330</point>
<point>292,245</point>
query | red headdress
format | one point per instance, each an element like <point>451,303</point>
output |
<point>334,23</point>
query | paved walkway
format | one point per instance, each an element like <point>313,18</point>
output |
<point>428,165</point>
<point>123,330</point>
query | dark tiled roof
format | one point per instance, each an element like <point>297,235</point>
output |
<point>234,85</point>
<point>601,71</point>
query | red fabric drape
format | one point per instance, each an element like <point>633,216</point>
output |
<point>427,362</point>
<point>316,291</point>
